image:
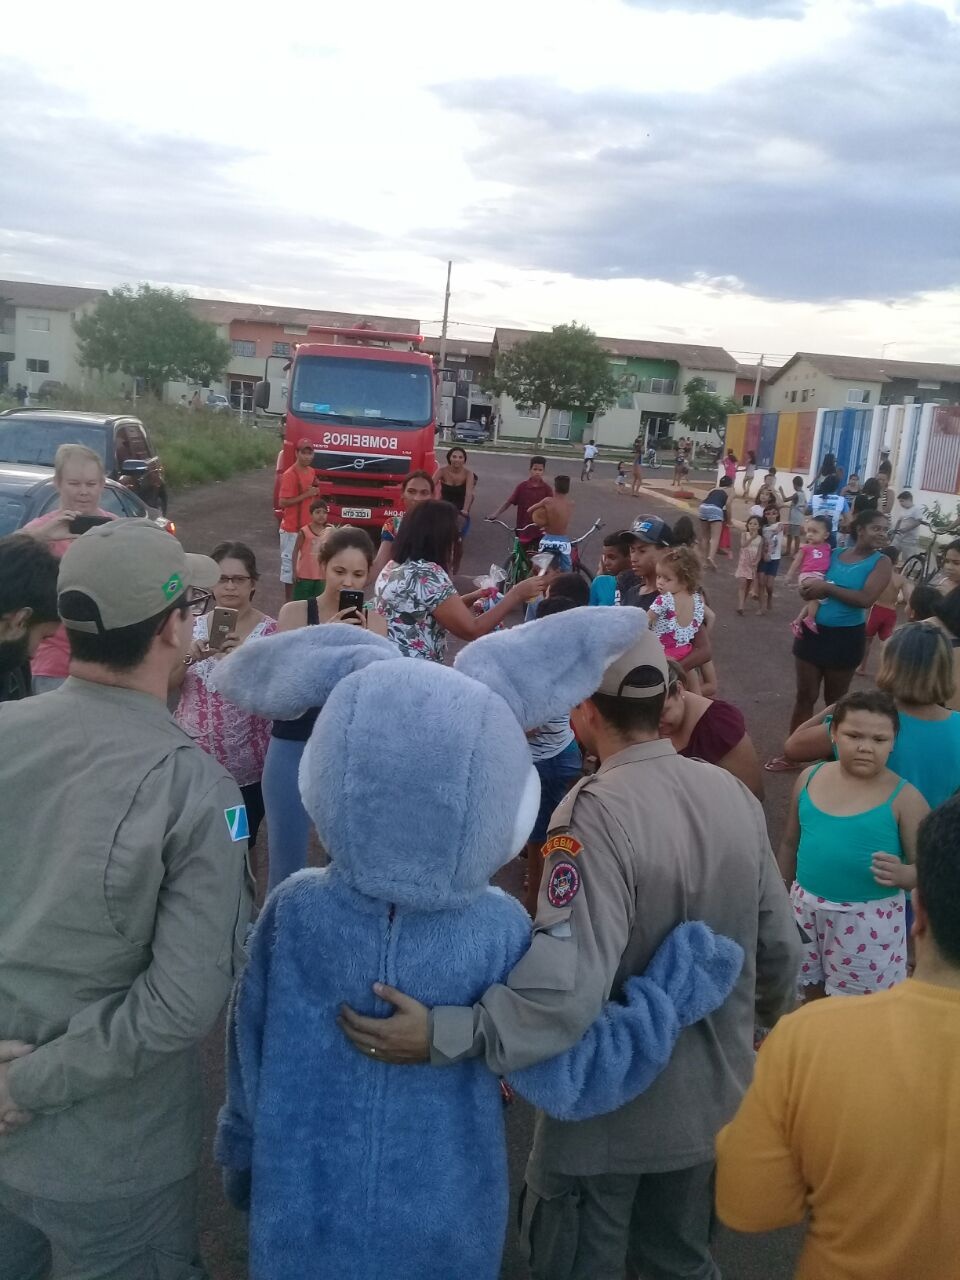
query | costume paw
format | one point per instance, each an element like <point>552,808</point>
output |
<point>696,968</point>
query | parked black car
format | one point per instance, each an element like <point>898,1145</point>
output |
<point>32,437</point>
<point>471,432</point>
<point>28,492</point>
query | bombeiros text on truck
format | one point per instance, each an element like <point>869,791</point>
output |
<point>367,400</point>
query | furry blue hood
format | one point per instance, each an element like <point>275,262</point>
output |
<point>418,777</point>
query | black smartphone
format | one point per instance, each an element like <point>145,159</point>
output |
<point>350,600</point>
<point>80,524</point>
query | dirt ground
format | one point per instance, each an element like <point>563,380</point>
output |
<point>755,670</point>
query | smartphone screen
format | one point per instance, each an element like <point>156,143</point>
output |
<point>80,524</point>
<point>222,624</point>
<point>350,600</point>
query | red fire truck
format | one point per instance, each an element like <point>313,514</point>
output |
<point>367,399</point>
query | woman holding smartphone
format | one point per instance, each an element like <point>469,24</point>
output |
<point>345,556</point>
<point>78,478</point>
<point>234,737</point>
<point>415,594</point>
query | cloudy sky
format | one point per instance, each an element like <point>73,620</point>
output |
<point>765,175</point>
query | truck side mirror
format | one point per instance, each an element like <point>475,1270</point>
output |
<point>261,395</point>
<point>461,409</point>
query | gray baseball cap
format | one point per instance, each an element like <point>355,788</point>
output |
<point>132,570</point>
<point>646,652</point>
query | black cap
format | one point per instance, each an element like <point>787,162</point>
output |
<point>653,530</point>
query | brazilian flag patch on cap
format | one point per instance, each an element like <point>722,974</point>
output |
<point>173,586</point>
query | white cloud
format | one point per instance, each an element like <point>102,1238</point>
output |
<point>314,156</point>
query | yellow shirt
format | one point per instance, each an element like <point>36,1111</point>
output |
<point>854,1117</point>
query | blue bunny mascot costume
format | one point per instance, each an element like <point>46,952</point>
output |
<point>354,1169</point>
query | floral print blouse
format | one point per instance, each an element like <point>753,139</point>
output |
<point>236,738</point>
<point>406,595</point>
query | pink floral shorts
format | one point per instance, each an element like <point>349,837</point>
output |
<point>855,948</point>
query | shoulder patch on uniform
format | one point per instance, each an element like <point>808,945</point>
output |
<point>562,844</point>
<point>237,823</point>
<point>563,885</point>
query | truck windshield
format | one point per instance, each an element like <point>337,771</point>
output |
<point>32,440</point>
<point>362,391</point>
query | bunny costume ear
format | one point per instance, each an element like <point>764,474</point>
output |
<point>543,669</point>
<point>282,676</point>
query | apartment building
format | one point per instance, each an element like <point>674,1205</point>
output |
<point>652,376</point>
<point>816,381</point>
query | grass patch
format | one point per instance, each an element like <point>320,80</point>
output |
<point>195,445</point>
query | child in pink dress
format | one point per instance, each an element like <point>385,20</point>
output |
<point>811,564</point>
<point>751,549</point>
<point>677,614</point>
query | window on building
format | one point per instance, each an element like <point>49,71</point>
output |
<point>856,395</point>
<point>448,375</point>
<point>528,410</point>
<point>243,348</point>
<point>38,366</point>
<point>746,400</point>
<point>711,385</point>
<point>793,397</point>
<point>241,394</point>
<point>559,424</point>
<point>38,324</point>
<point>658,386</point>
<point>804,395</point>
<point>281,348</point>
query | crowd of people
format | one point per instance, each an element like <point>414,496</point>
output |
<point>125,920</point>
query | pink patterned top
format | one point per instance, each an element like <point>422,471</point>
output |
<point>234,737</point>
<point>677,641</point>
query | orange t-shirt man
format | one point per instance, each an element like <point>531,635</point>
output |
<point>298,488</point>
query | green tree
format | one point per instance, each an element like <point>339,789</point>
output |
<point>704,410</point>
<point>563,369</point>
<point>151,334</point>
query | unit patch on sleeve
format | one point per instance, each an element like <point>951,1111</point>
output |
<point>563,885</point>
<point>237,823</point>
<point>562,844</point>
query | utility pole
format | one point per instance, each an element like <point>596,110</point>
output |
<point>443,333</point>
<point>756,385</point>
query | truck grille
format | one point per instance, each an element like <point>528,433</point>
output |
<point>351,466</point>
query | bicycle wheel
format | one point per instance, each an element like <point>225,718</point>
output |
<point>580,567</point>
<point>516,568</point>
<point>915,569</point>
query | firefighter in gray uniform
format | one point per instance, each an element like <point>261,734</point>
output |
<point>651,840</point>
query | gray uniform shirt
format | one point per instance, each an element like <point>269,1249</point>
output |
<point>652,839</point>
<point>124,909</point>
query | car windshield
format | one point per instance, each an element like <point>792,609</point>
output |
<point>12,509</point>
<point>362,392</point>
<point>36,441</point>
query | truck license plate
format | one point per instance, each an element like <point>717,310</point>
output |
<point>356,513</point>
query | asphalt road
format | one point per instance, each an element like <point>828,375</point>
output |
<point>755,672</point>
